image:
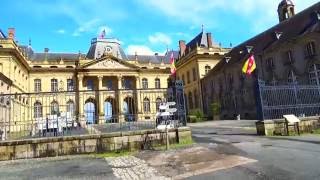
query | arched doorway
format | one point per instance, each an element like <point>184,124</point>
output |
<point>109,110</point>
<point>90,111</point>
<point>129,109</point>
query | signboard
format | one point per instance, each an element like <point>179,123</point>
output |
<point>291,118</point>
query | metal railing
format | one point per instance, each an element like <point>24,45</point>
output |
<point>47,114</point>
<point>301,100</point>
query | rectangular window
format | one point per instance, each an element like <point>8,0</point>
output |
<point>310,49</point>
<point>37,85</point>
<point>70,85</point>
<point>108,84</point>
<point>289,56</point>
<point>270,63</point>
<point>144,83</point>
<point>183,80</point>
<point>90,85</point>
<point>54,85</point>
<point>157,83</point>
<point>188,77</point>
<point>194,74</point>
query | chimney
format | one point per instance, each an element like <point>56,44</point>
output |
<point>46,50</point>
<point>182,46</point>
<point>11,33</point>
<point>209,40</point>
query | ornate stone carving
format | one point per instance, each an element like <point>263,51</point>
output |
<point>108,64</point>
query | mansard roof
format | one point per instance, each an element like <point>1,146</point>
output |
<point>2,35</point>
<point>155,59</point>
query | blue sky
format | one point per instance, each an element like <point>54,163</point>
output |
<point>145,26</point>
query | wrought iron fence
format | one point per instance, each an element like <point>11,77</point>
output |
<point>84,112</point>
<point>301,100</point>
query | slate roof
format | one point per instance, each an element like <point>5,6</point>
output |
<point>304,22</point>
<point>285,3</point>
<point>2,35</point>
<point>155,59</point>
<point>55,56</point>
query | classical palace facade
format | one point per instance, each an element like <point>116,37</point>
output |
<point>196,59</point>
<point>286,55</point>
<point>104,85</point>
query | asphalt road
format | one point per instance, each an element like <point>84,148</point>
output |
<point>69,167</point>
<point>286,158</point>
<point>221,143</point>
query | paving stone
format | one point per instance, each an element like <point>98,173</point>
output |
<point>132,168</point>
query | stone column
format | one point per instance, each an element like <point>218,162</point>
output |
<point>138,98</point>
<point>120,99</point>
<point>80,82</point>
<point>82,121</point>
<point>101,101</point>
<point>100,82</point>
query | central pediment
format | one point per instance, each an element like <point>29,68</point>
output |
<point>108,63</point>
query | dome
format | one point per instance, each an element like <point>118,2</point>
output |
<point>285,3</point>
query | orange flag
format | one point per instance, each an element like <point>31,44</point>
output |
<point>249,66</point>
<point>173,66</point>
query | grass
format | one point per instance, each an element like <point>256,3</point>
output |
<point>182,144</point>
<point>317,131</point>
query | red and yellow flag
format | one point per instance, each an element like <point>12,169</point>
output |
<point>173,66</point>
<point>249,66</point>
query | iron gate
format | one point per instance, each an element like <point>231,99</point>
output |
<point>300,100</point>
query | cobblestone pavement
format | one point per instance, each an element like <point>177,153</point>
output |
<point>132,168</point>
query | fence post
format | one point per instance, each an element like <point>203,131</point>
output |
<point>259,99</point>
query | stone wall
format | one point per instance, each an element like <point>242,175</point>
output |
<point>58,146</point>
<point>277,126</point>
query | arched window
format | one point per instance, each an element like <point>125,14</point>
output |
<point>146,105</point>
<point>292,78</point>
<point>314,74</point>
<point>70,107</point>
<point>207,69</point>
<point>157,83</point>
<point>190,100</point>
<point>37,109</point>
<point>145,83</point>
<point>54,107</point>
<point>158,102</point>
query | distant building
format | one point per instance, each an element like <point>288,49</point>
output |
<point>196,59</point>
<point>286,54</point>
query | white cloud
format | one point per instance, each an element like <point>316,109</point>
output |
<point>160,38</point>
<point>140,50</point>
<point>60,31</point>
<point>259,13</point>
<point>88,26</point>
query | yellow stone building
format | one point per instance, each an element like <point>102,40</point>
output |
<point>196,59</point>
<point>104,85</point>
